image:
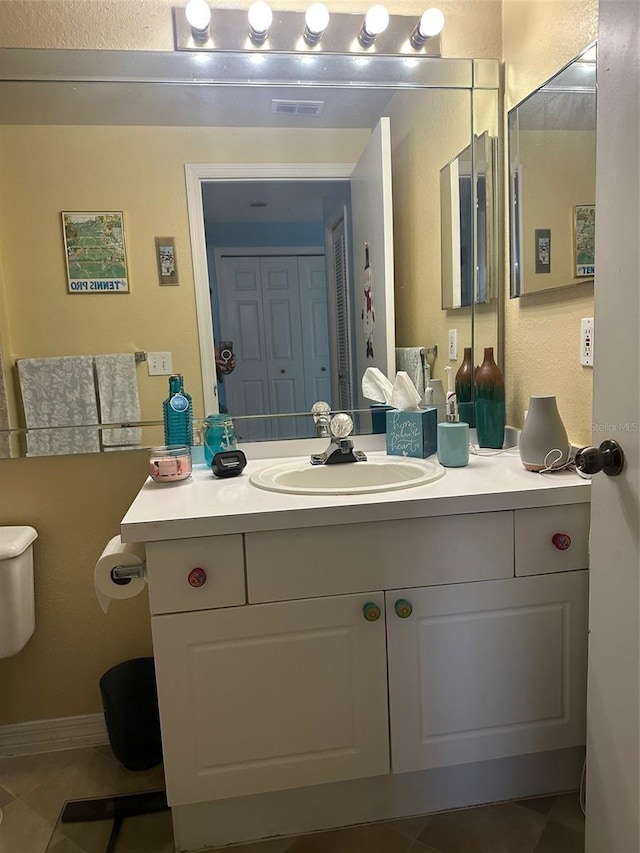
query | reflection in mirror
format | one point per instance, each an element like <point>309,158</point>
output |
<point>552,141</point>
<point>466,185</point>
<point>125,147</point>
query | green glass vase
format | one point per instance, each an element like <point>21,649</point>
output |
<point>490,409</point>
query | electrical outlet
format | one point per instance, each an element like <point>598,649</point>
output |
<point>159,364</point>
<point>586,342</point>
<point>453,344</point>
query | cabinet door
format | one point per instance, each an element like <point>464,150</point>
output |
<point>273,696</point>
<point>487,670</point>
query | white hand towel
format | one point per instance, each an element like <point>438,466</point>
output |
<point>409,359</point>
<point>59,392</point>
<point>119,400</point>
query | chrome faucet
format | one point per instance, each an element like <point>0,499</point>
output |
<point>341,446</point>
<point>321,412</point>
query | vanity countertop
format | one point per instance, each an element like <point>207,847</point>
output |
<point>207,506</point>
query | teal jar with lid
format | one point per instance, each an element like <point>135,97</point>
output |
<point>218,435</point>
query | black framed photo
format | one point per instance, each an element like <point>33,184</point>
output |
<point>166,258</point>
<point>543,250</point>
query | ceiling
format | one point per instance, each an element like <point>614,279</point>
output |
<point>184,104</point>
<point>286,201</point>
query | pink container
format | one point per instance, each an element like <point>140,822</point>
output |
<point>170,464</point>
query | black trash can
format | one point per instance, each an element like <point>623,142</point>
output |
<point>130,708</point>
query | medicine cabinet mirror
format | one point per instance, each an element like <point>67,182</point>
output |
<point>235,175</point>
<point>552,148</point>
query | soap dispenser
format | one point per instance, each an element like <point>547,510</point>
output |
<point>453,434</point>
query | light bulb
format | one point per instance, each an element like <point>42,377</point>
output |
<point>260,18</point>
<point>316,19</point>
<point>198,16</point>
<point>431,23</point>
<point>376,20</point>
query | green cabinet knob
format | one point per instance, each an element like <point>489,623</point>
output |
<point>371,611</point>
<point>403,608</point>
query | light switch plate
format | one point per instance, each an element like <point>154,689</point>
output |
<point>159,364</point>
<point>453,344</point>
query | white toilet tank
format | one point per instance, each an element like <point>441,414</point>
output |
<point>17,602</point>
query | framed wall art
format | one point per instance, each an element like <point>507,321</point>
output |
<point>166,258</point>
<point>95,252</point>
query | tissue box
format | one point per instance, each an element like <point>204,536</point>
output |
<point>412,433</point>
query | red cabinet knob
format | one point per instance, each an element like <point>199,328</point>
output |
<point>562,541</point>
<point>197,577</point>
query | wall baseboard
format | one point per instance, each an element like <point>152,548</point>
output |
<point>49,735</point>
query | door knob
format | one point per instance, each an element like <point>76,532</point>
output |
<point>282,370</point>
<point>609,457</point>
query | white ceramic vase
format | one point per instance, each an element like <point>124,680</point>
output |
<point>542,433</point>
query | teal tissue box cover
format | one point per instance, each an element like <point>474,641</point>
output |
<point>412,433</point>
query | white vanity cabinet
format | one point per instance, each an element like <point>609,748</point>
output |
<point>272,696</point>
<point>487,670</point>
<point>292,687</point>
<point>324,662</point>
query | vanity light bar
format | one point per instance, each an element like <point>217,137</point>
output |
<point>313,31</point>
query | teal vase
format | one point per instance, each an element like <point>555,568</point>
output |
<point>490,409</point>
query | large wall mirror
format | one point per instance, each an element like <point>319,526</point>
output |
<point>552,157</point>
<point>270,199</point>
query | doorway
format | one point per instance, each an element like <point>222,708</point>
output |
<point>271,288</point>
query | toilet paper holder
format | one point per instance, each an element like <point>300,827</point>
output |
<point>124,573</point>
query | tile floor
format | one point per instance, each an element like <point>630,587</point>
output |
<point>34,788</point>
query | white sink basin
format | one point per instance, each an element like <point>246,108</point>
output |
<point>383,474</point>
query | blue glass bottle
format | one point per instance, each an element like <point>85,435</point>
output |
<point>177,413</point>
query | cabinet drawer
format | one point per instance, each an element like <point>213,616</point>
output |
<point>552,539</point>
<point>169,568</point>
<point>340,559</point>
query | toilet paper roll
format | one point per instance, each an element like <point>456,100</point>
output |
<point>117,553</point>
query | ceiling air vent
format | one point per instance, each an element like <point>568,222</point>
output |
<point>296,108</point>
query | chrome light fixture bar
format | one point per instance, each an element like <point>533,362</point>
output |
<point>298,32</point>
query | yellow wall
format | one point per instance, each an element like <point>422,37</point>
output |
<point>542,331</point>
<point>557,172</point>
